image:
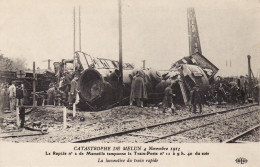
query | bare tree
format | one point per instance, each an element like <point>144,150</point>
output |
<point>14,64</point>
<point>19,64</point>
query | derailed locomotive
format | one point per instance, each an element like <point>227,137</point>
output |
<point>99,80</point>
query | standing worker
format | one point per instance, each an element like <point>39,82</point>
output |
<point>168,98</point>
<point>2,91</point>
<point>51,95</point>
<point>25,95</point>
<point>197,98</point>
<point>220,93</point>
<point>19,96</point>
<point>6,102</point>
<point>12,96</point>
<point>138,89</point>
<point>73,90</point>
<point>61,83</point>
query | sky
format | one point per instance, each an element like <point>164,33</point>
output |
<point>152,30</point>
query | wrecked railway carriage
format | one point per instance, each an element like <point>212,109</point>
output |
<point>188,72</point>
<point>99,79</point>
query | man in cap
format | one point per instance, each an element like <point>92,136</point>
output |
<point>197,98</point>
<point>168,98</point>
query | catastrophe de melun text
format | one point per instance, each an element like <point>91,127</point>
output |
<point>124,148</point>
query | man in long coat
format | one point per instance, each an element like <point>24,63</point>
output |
<point>51,95</point>
<point>138,89</point>
<point>197,98</point>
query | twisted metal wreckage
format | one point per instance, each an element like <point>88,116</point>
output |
<point>99,86</point>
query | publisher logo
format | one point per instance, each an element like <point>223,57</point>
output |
<point>241,160</point>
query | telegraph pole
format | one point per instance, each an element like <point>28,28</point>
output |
<point>120,48</point>
<point>250,81</point>
<point>79,31</point>
<point>249,67</point>
<point>74,36</point>
<point>49,64</point>
<point>144,64</point>
<point>34,78</point>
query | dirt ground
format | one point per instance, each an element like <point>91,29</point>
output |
<point>90,124</point>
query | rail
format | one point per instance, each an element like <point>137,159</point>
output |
<point>233,139</point>
<point>186,130</point>
<point>156,125</point>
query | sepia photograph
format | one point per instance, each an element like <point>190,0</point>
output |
<point>130,72</point>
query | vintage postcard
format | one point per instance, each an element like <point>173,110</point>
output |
<point>129,83</point>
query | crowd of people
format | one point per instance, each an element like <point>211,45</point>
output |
<point>65,93</point>
<point>11,96</point>
<point>139,94</point>
<point>220,92</point>
<point>232,92</point>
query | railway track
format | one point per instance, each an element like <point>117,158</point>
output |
<point>200,126</point>
<point>163,124</point>
<point>248,131</point>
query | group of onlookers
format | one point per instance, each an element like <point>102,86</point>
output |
<point>139,94</point>
<point>220,92</point>
<point>66,93</point>
<point>63,93</point>
<point>11,96</point>
<point>231,92</point>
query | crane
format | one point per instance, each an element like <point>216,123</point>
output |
<point>194,40</point>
